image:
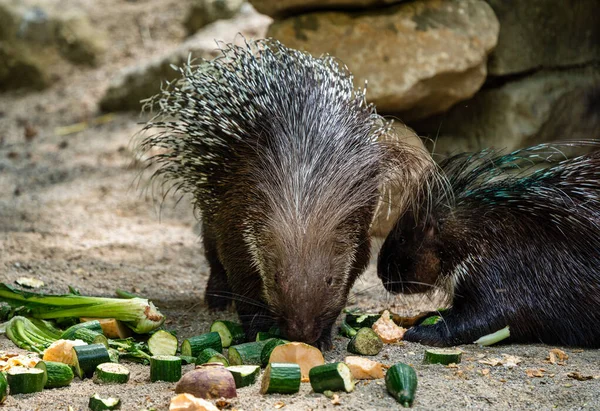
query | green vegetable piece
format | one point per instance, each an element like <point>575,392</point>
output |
<point>59,374</point>
<point>3,388</point>
<point>247,353</point>
<point>69,333</point>
<point>281,378</point>
<point>365,342</point>
<point>333,377</point>
<point>231,333</point>
<point>194,345</point>
<point>165,368</point>
<point>268,348</point>
<point>111,373</point>
<point>431,320</point>
<point>442,356</point>
<point>358,319</point>
<point>90,336</point>
<point>210,355</point>
<point>262,336</point>
<point>162,343</point>
<point>493,338</point>
<point>244,375</point>
<point>346,330</point>
<point>87,359</point>
<point>98,403</point>
<point>22,380</point>
<point>401,383</point>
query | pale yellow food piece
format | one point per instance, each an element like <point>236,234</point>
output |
<point>306,356</point>
<point>111,328</point>
<point>365,369</point>
<point>387,329</point>
<point>187,402</point>
<point>62,351</point>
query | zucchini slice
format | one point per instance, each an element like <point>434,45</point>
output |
<point>281,378</point>
<point>69,333</point>
<point>59,374</point>
<point>346,330</point>
<point>23,380</point>
<point>244,375</point>
<point>87,357</point>
<point>442,356</point>
<point>333,377</point>
<point>495,337</point>
<point>165,368</point>
<point>111,373</point>
<point>210,355</point>
<point>246,353</point>
<point>162,343</point>
<point>4,388</point>
<point>365,342</point>
<point>268,348</point>
<point>90,336</point>
<point>194,345</point>
<point>431,320</point>
<point>98,403</point>
<point>231,333</point>
<point>401,383</point>
<point>187,359</point>
<point>262,336</point>
<point>358,319</point>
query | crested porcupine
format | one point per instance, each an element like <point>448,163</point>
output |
<point>511,248</point>
<point>283,159</point>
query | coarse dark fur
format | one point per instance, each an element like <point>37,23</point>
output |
<point>511,248</point>
<point>284,161</point>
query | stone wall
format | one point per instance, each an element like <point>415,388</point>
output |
<point>468,74</point>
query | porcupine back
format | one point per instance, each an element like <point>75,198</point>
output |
<point>522,247</point>
<point>283,159</point>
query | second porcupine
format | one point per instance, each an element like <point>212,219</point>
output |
<point>521,250</point>
<point>284,159</point>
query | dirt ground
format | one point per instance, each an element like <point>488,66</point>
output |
<point>71,214</point>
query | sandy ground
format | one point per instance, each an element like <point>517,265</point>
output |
<point>71,214</point>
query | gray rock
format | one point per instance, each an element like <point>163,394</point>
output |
<point>419,58</point>
<point>78,41</point>
<point>278,8</point>
<point>19,69</point>
<point>545,107</point>
<point>140,82</point>
<point>538,34</point>
<point>203,12</point>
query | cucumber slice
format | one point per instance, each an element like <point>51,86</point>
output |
<point>98,403</point>
<point>23,380</point>
<point>346,330</point>
<point>185,359</point>
<point>162,343</point>
<point>59,374</point>
<point>210,355</point>
<point>262,336</point>
<point>493,338</point>
<point>401,383</point>
<point>111,373</point>
<point>4,388</point>
<point>165,368</point>
<point>358,319</point>
<point>247,353</point>
<point>42,366</point>
<point>281,378</point>
<point>87,357</point>
<point>231,333</point>
<point>244,375</point>
<point>69,333</point>
<point>431,320</point>
<point>442,356</point>
<point>90,336</point>
<point>268,348</point>
<point>365,342</point>
<point>193,345</point>
<point>332,377</point>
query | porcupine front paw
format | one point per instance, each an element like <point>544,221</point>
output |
<point>218,294</point>
<point>324,343</point>
<point>429,335</point>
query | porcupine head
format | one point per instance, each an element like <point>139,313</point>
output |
<point>283,161</point>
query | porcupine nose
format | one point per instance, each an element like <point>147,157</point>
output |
<point>302,330</point>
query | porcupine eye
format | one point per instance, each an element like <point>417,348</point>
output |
<point>329,281</point>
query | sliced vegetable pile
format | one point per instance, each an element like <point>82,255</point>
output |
<point>91,336</point>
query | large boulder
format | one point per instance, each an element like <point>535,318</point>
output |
<point>278,8</point>
<point>419,58</point>
<point>142,81</point>
<point>538,34</point>
<point>544,107</point>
